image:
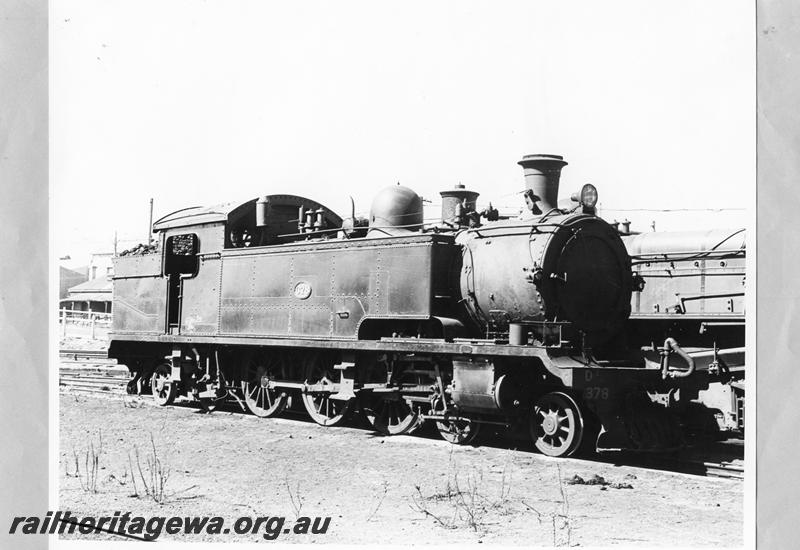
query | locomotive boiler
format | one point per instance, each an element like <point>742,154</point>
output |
<point>478,319</point>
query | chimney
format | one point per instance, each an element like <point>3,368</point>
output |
<point>542,173</point>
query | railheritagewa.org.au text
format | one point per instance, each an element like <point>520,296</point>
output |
<point>150,528</point>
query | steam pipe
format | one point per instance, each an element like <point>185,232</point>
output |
<point>671,345</point>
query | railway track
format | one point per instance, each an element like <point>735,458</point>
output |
<point>75,354</point>
<point>94,380</point>
<point>728,469</point>
<point>97,358</point>
<point>91,371</point>
<point>724,469</point>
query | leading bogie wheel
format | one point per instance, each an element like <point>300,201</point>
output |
<point>322,406</point>
<point>557,424</point>
<point>163,388</point>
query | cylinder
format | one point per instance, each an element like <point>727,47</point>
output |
<point>542,175</point>
<point>517,334</point>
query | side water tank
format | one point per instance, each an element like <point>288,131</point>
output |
<point>395,210</point>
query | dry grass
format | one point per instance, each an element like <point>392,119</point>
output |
<point>380,500</point>
<point>475,500</point>
<point>560,520</point>
<point>466,500</point>
<point>155,474</point>
<point>295,497</point>
<point>90,458</point>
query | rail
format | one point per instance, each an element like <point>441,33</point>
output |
<point>77,354</point>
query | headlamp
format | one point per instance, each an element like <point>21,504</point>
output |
<point>588,196</point>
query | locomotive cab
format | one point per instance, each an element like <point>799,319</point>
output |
<point>277,219</point>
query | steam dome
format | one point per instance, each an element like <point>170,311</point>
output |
<point>396,209</point>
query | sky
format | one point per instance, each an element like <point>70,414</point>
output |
<point>204,102</point>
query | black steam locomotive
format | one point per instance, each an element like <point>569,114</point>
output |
<point>478,319</point>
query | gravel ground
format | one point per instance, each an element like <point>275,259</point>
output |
<point>83,343</point>
<point>400,490</point>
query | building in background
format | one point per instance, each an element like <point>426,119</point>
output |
<point>67,278</point>
<point>95,293</point>
<point>101,266</point>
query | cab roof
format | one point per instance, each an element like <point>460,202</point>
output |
<point>195,215</point>
<point>225,212</point>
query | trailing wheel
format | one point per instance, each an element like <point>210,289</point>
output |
<point>322,406</point>
<point>557,424</point>
<point>389,413</point>
<point>262,400</point>
<point>163,388</point>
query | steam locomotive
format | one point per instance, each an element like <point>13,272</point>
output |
<point>694,293</point>
<point>520,323</point>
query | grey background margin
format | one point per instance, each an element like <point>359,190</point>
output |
<point>778,261</point>
<point>24,267</point>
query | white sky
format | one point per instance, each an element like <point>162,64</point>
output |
<point>197,103</point>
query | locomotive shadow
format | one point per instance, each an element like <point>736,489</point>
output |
<point>357,421</point>
<point>699,457</point>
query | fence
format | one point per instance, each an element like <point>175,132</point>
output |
<point>91,324</point>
